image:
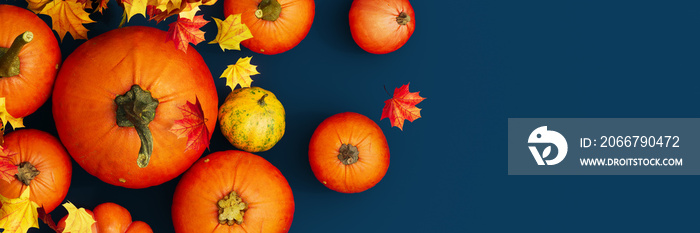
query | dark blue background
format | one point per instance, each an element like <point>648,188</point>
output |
<point>477,63</point>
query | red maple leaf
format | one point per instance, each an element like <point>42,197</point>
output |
<point>8,170</point>
<point>46,218</point>
<point>185,31</point>
<point>192,125</point>
<point>402,106</point>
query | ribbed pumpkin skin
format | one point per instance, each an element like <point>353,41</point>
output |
<point>248,125</point>
<point>39,61</point>
<point>112,218</point>
<point>109,65</point>
<point>258,183</point>
<point>46,153</point>
<point>273,37</point>
<point>357,130</point>
<point>374,27</point>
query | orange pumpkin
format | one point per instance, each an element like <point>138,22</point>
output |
<point>381,26</point>
<point>232,191</point>
<point>44,166</point>
<point>349,153</point>
<point>276,25</point>
<point>117,98</point>
<point>111,218</point>
<point>27,69</point>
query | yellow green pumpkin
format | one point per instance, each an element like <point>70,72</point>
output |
<point>252,119</point>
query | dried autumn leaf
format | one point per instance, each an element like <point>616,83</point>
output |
<point>402,106</point>
<point>167,6</point>
<point>19,214</point>
<point>231,33</point>
<point>78,220</point>
<point>192,125</point>
<point>8,169</point>
<point>68,16</point>
<point>134,7</point>
<point>6,117</point>
<point>239,74</point>
<point>189,13</point>
<point>101,4</point>
<point>37,5</point>
<point>185,31</point>
<point>46,218</point>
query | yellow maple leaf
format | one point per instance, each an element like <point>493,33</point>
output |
<point>68,16</point>
<point>168,5</point>
<point>239,74</point>
<point>134,8</point>
<point>19,214</point>
<point>78,220</point>
<point>37,5</point>
<point>189,13</point>
<point>5,116</point>
<point>231,32</point>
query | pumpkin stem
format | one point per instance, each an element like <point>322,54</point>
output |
<point>26,173</point>
<point>9,57</point>
<point>268,10</point>
<point>137,108</point>
<point>348,154</point>
<point>403,18</point>
<point>261,101</point>
<point>231,209</point>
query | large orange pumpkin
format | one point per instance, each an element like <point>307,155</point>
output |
<point>28,70</point>
<point>232,191</point>
<point>117,98</point>
<point>276,25</point>
<point>44,166</point>
<point>111,218</point>
<point>349,153</point>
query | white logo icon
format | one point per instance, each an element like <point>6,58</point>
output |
<point>542,135</point>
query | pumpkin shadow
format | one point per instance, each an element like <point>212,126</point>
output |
<point>332,26</point>
<point>303,125</point>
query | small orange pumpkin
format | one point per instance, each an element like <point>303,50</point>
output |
<point>232,192</point>
<point>349,153</point>
<point>29,60</point>
<point>111,218</point>
<point>44,166</point>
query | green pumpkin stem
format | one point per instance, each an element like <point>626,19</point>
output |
<point>9,57</point>
<point>403,18</point>
<point>268,10</point>
<point>137,108</point>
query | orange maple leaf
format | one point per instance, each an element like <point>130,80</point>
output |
<point>192,125</point>
<point>100,5</point>
<point>402,106</point>
<point>19,214</point>
<point>68,16</point>
<point>185,31</point>
<point>78,220</point>
<point>7,168</point>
